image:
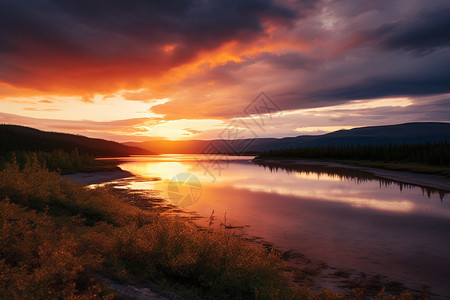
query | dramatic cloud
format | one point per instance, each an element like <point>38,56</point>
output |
<point>425,33</point>
<point>355,51</point>
<point>73,46</point>
<point>120,130</point>
<point>176,62</point>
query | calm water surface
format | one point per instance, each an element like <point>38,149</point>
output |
<point>346,218</point>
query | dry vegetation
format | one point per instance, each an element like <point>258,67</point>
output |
<point>55,237</point>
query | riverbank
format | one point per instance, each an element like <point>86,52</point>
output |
<point>434,181</point>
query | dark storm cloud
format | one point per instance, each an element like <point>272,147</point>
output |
<point>305,54</point>
<point>203,24</point>
<point>288,61</point>
<point>72,34</point>
<point>401,54</point>
<point>422,109</point>
<point>416,84</point>
<point>428,31</point>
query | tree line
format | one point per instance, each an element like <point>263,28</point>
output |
<point>425,153</point>
<point>53,160</point>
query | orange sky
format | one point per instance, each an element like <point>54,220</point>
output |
<point>179,70</point>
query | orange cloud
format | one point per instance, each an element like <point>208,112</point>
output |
<point>68,49</point>
<point>185,60</point>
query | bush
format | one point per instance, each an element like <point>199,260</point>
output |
<point>39,261</point>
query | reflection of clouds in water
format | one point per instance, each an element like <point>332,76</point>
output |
<point>314,181</point>
<point>318,182</point>
<point>330,173</point>
<point>184,189</point>
<point>341,195</point>
<point>164,170</point>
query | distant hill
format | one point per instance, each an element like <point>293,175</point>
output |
<point>20,138</point>
<point>409,133</point>
<point>203,146</point>
<point>13,138</point>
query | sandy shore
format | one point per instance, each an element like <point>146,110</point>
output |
<point>424,180</point>
<point>97,176</point>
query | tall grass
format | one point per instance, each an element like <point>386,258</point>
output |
<point>38,260</point>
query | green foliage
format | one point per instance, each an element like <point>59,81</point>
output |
<point>429,153</point>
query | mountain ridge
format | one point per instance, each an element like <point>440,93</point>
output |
<point>409,133</point>
<point>16,137</point>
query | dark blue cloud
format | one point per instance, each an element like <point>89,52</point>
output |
<point>194,24</point>
<point>431,30</point>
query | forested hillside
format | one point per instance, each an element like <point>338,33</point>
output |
<point>426,153</point>
<point>19,138</point>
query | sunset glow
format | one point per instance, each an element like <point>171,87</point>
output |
<point>145,71</point>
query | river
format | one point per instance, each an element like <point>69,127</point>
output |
<point>346,218</point>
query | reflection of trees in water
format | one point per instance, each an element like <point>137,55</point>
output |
<point>341,173</point>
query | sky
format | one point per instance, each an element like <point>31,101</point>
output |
<point>186,69</point>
